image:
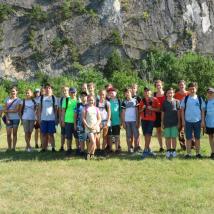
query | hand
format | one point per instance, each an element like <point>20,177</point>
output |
<point>124,125</point>
<point>162,126</point>
<point>62,123</point>
<point>202,125</point>
<point>75,127</point>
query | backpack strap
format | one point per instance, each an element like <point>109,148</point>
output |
<point>66,103</point>
<point>54,101</point>
<point>61,100</point>
<point>200,102</point>
<point>41,101</point>
<point>23,107</point>
<point>185,103</point>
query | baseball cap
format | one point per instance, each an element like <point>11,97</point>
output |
<point>210,90</point>
<point>72,90</point>
<point>37,90</point>
<point>111,89</point>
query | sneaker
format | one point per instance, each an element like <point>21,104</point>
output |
<point>53,150</point>
<point>151,154</point>
<point>168,154</point>
<point>29,150</point>
<point>174,154</point>
<point>161,150</point>
<point>212,156</point>
<point>148,153</point>
<point>36,146</point>
<point>117,152</point>
<point>131,150</point>
<point>68,152</point>
<point>187,156</point>
<point>61,149</point>
<point>92,157</point>
<point>199,156</point>
<point>43,150</point>
<point>87,157</point>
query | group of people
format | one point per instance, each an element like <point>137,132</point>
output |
<point>90,118</point>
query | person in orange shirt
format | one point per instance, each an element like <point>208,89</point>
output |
<point>180,95</point>
<point>147,110</point>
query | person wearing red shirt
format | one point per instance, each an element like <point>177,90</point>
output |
<point>147,111</point>
<point>161,97</point>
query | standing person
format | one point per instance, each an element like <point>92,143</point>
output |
<point>114,130</point>
<point>28,113</point>
<point>138,98</point>
<point>180,95</point>
<point>65,93</point>
<point>193,118</point>
<point>170,122</point>
<point>37,134</point>
<point>147,111</point>
<point>47,114</point>
<point>105,111</point>
<point>84,88</point>
<point>209,119</point>
<point>159,94</point>
<point>78,122</point>
<point>130,119</point>
<point>91,120</point>
<point>67,119</point>
<point>91,89</point>
<point>12,117</point>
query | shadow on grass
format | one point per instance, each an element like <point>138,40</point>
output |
<point>21,155</point>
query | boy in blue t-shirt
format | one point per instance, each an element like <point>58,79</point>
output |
<point>193,118</point>
<point>209,119</point>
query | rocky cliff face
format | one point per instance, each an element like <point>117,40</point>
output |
<point>51,35</point>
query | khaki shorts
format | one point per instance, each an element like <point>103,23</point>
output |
<point>28,125</point>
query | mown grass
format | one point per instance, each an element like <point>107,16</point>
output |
<point>53,183</point>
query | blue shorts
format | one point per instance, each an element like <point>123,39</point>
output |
<point>131,130</point>
<point>191,128</point>
<point>48,127</point>
<point>147,127</point>
<point>13,124</point>
<point>81,135</point>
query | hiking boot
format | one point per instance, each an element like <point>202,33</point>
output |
<point>199,156</point>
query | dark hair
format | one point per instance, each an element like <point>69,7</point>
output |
<point>127,90</point>
<point>14,87</point>
<point>193,84</point>
<point>83,93</point>
<point>169,89</point>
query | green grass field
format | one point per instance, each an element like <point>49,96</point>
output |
<point>52,183</point>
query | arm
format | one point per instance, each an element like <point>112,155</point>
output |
<point>183,118</point>
<point>109,114</point>
<point>162,116</point>
<point>123,118</point>
<point>62,118</point>
<point>75,121</point>
<point>202,118</point>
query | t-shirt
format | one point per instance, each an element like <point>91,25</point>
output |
<point>130,109</point>
<point>103,111</point>
<point>91,118</point>
<point>60,101</point>
<point>138,98</point>
<point>179,96</point>
<point>8,101</point>
<point>148,114</point>
<point>170,109</point>
<point>209,119</point>
<point>79,110</point>
<point>115,112</point>
<point>69,112</point>
<point>29,110</point>
<point>193,111</point>
<point>48,112</point>
<point>160,99</point>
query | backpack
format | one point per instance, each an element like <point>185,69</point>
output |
<point>23,106</point>
<point>97,104</point>
<point>185,102</point>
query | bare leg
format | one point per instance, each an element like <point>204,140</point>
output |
<point>189,146</point>
<point>15,137</point>
<point>147,141</point>
<point>9,138</point>
<point>168,143</point>
<point>159,136</point>
<point>174,143</point>
<point>211,140</point>
<point>197,146</point>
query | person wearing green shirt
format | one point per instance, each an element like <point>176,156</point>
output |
<point>68,109</point>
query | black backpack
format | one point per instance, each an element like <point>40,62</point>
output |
<point>53,100</point>
<point>97,104</point>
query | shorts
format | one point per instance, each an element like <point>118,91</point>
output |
<point>114,130</point>
<point>147,127</point>
<point>131,130</point>
<point>36,125</point>
<point>62,131</point>
<point>209,130</point>
<point>69,131</point>
<point>13,123</point>
<point>48,127</point>
<point>157,122</point>
<point>28,125</point>
<point>171,132</point>
<point>82,136</point>
<point>193,128</point>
